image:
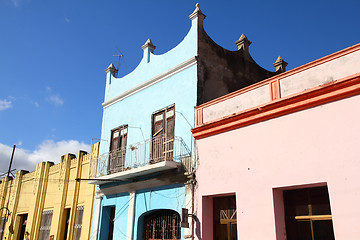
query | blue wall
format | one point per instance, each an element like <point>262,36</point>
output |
<point>169,197</point>
<point>120,202</point>
<point>136,111</point>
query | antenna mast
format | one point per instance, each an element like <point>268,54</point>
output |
<point>120,55</point>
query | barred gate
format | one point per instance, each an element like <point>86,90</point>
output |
<point>162,225</point>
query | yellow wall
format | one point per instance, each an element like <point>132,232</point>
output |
<point>49,187</point>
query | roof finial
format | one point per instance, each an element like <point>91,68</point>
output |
<point>111,68</point>
<point>197,12</point>
<point>280,64</point>
<point>243,43</point>
<point>148,44</point>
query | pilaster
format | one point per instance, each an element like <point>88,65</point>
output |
<point>148,48</point>
<point>13,203</point>
<point>40,185</point>
<point>131,211</point>
<point>58,213</point>
<point>74,203</point>
<point>98,199</point>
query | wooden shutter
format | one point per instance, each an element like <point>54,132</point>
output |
<point>170,131</point>
<point>163,126</point>
<point>158,131</point>
<point>117,152</point>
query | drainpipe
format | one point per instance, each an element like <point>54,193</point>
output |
<point>192,208</point>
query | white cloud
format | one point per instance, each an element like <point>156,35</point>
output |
<point>56,100</point>
<point>5,104</point>
<point>36,104</point>
<point>48,150</point>
<point>67,20</point>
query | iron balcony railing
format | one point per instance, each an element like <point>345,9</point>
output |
<point>140,154</point>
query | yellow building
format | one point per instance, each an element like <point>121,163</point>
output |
<point>49,203</point>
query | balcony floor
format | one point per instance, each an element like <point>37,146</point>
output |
<point>136,172</point>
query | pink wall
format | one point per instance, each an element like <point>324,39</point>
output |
<point>320,145</point>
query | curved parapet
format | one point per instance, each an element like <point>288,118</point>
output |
<point>152,66</point>
<point>221,71</point>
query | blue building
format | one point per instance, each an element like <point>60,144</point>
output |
<point>145,172</point>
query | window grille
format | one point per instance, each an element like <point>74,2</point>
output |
<point>78,222</point>
<point>162,225</point>
<point>2,227</point>
<point>45,226</point>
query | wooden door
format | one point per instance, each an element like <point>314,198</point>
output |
<point>162,142</point>
<point>158,130</point>
<point>169,135</point>
<point>117,149</point>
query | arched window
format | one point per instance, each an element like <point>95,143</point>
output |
<point>162,225</point>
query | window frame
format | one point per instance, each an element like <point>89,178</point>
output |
<point>117,156</point>
<point>162,141</point>
<point>305,201</point>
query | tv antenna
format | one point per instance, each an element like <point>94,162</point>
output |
<point>120,55</point>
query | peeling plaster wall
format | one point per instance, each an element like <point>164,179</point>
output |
<point>321,74</point>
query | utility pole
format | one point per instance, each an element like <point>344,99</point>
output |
<point>11,160</point>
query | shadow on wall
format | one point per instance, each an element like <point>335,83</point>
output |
<point>197,227</point>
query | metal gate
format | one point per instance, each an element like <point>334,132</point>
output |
<point>162,225</point>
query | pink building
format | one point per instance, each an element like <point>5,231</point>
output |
<point>280,159</point>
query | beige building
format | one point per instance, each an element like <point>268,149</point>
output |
<point>49,203</point>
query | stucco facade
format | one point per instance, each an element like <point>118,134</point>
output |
<point>52,192</point>
<point>293,133</point>
<point>146,166</point>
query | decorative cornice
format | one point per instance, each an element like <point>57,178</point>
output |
<point>288,73</point>
<point>339,89</point>
<point>182,66</point>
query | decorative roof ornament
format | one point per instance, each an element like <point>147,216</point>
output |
<point>197,12</point>
<point>243,43</point>
<point>111,68</point>
<point>148,44</point>
<point>280,64</point>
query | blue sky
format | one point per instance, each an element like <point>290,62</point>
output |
<point>53,55</point>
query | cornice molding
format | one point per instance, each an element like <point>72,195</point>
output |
<point>288,73</point>
<point>178,68</point>
<point>339,89</point>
